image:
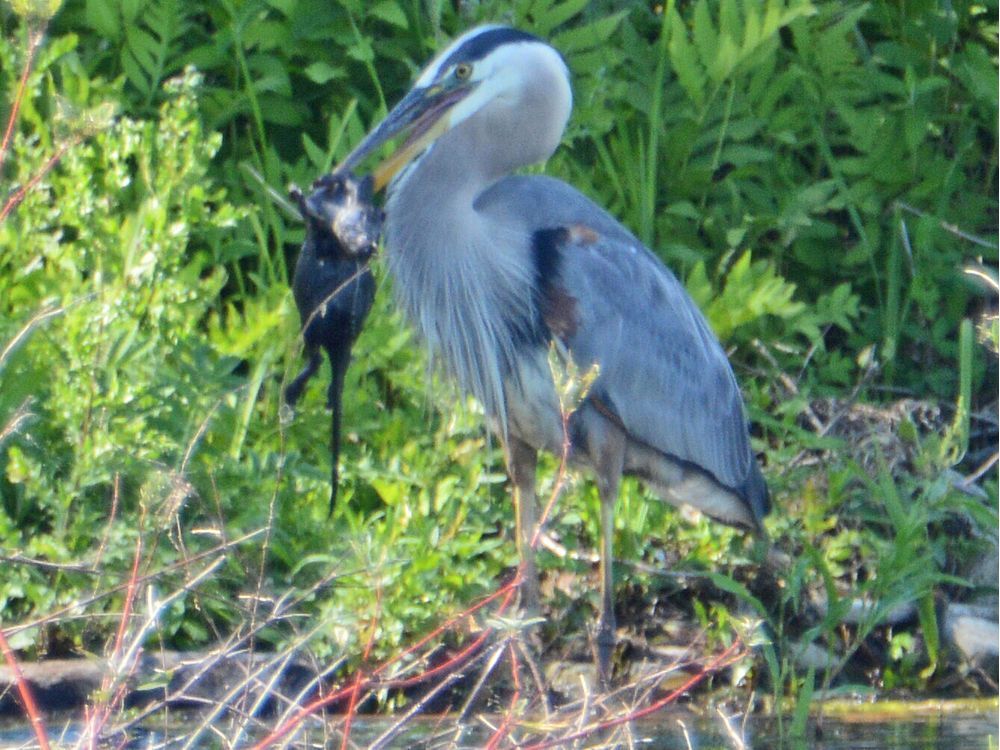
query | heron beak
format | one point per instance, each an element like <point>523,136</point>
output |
<point>422,114</point>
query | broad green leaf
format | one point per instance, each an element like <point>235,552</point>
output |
<point>390,12</point>
<point>322,72</point>
<point>558,14</point>
<point>102,16</point>
<point>684,59</point>
<point>730,23</point>
<point>706,39</point>
<point>589,35</point>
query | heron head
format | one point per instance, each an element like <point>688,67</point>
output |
<point>509,83</point>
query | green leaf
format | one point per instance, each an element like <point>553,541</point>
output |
<point>588,36</point>
<point>361,50</point>
<point>316,155</point>
<point>729,21</point>
<point>978,72</point>
<point>803,701</point>
<point>390,12</point>
<point>322,72</point>
<point>102,17</point>
<point>684,59</point>
<point>738,590</point>
<point>929,626</point>
<point>706,40</point>
<point>556,15</point>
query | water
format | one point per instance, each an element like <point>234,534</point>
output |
<point>940,733</point>
<point>689,733</point>
<point>676,730</point>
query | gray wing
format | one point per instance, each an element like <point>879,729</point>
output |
<point>662,370</point>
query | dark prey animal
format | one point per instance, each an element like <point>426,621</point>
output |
<point>333,285</point>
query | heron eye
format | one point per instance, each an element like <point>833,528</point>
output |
<point>463,71</point>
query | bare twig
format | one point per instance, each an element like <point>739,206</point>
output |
<point>495,652</point>
<point>21,415</point>
<point>36,319</point>
<point>353,704</point>
<point>687,737</point>
<point>231,648</point>
<point>291,212</point>
<point>18,559</point>
<point>788,383</point>
<point>125,655</point>
<point>392,732</point>
<point>118,669</point>
<point>984,467</point>
<point>951,228</point>
<point>504,729</point>
<point>739,743</point>
<point>115,497</point>
<point>985,275</point>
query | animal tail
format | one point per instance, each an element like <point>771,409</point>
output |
<point>334,402</point>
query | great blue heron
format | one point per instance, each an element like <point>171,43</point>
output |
<point>491,267</point>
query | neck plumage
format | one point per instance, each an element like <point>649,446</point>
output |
<point>465,283</point>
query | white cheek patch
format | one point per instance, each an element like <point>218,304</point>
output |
<point>491,87</point>
<point>500,74</point>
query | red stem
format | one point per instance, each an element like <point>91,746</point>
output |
<point>27,698</point>
<point>18,195</point>
<point>447,666</point>
<point>504,729</point>
<point>101,713</point>
<point>353,704</point>
<point>34,37</point>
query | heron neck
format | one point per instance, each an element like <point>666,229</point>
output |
<point>464,281</point>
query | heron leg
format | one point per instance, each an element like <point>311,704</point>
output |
<point>609,464</point>
<point>606,624</point>
<point>522,461</point>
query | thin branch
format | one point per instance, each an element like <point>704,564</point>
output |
<point>37,318</point>
<point>18,559</point>
<point>951,228</point>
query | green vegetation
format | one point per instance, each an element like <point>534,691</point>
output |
<point>821,174</point>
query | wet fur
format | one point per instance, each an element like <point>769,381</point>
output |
<point>333,286</point>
